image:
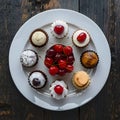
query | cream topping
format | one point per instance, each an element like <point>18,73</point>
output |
<point>82,44</point>
<point>28,58</point>
<point>59,22</point>
<point>54,94</point>
<point>39,38</point>
<point>39,76</point>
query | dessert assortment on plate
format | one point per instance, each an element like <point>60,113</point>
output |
<point>59,60</point>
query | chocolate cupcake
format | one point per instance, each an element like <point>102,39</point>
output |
<point>37,79</point>
<point>38,38</point>
<point>28,58</point>
<point>89,59</point>
<point>81,38</point>
<point>81,80</point>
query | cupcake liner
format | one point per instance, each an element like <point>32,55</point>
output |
<point>89,67</point>
<point>36,59</point>
<point>42,74</point>
<point>41,31</point>
<point>84,45</point>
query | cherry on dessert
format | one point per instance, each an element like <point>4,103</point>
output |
<point>48,62</point>
<point>36,82</point>
<point>70,59</point>
<point>81,37</point>
<point>61,72</point>
<point>58,48</point>
<point>69,68</point>
<point>51,53</point>
<point>58,89</point>
<point>53,70</point>
<point>62,64</point>
<point>67,50</point>
<point>58,29</point>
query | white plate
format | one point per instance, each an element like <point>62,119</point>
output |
<point>98,75</point>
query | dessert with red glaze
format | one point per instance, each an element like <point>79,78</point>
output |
<point>81,38</point>
<point>59,29</point>
<point>58,89</point>
<point>59,59</point>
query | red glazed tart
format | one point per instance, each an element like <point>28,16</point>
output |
<point>59,59</point>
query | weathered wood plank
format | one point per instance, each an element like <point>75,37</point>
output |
<point>13,14</point>
<point>107,103</point>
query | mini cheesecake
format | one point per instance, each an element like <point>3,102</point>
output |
<point>38,38</point>
<point>81,38</point>
<point>37,79</point>
<point>28,58</point>
<point>59,29</point>
<point>81,80</point>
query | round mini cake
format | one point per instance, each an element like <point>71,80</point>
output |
<point>38,38</point>
<point>58,89</point>
<point>28,58</point>
<point>81,80</point>
<point>89,59</point>
<point>37,79</point>
<point>81,38</point>
<point>59,59</point>
<point>59,29</point>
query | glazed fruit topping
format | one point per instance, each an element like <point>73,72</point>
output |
<point>58,89</point>
<point>81,37</point>
<point>58,48</point>
<point>59,59</point>
<point>59,29</point>
<point>48,62</point>
<point>67,50</point>
<point>36,82</point>
<point>53,70</point>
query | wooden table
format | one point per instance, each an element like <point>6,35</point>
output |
<point>105,106</point>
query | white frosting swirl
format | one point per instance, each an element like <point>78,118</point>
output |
<point>59,22</point>
<point>39,38</point>
<point>54,94</point>
<point>28,58</point>
<point>39,76</point>
<point>80,44</point>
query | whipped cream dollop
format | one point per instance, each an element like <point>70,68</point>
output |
<point>39,38</point>
<point>64,24</point>
<point>76,42</point>
<point>54,94</point>
<point>37,79</point>
<point>28,58</point>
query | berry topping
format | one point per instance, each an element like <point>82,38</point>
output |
<point>58,48</point>
<point>69,68</point>
<point>59,59</point>
<point>81,37</point>
<point>59,29</point>
<point>53,70</point>
<point>61,72</point>
<point>62,64</point>
<point>48,62</point>
<point>51,53</point>
<point>58,89</point>
<point>67,50</point>
<point>36,82</point>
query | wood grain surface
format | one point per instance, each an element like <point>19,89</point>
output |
<point>105,106</point>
